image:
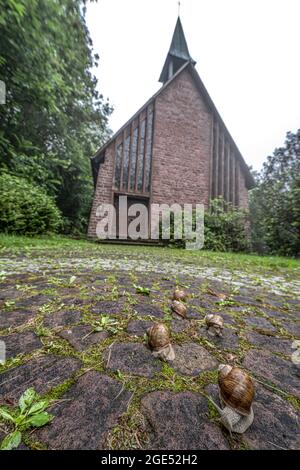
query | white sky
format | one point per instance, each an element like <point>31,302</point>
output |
<point>247,53</point>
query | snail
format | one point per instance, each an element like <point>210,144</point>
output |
<point>159,342</point>
<point>179,308</point>
<point>179,294</point>
<point>236,390</point>
<point>214,324</point>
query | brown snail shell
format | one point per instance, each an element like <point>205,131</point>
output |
<point>214,324</point>
<point>236,389</point>
<point>179,308</point>
<point>158,336</point>
<point>179,294</point>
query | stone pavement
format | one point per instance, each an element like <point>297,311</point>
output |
<point>108,390</point>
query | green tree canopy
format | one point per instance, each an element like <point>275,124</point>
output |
<point>54,118</point>
<point>275,202</point>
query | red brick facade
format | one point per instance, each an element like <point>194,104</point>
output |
<point>193,156</point>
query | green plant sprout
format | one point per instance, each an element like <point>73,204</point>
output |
<point>29,413</point>
<point>142,290</point>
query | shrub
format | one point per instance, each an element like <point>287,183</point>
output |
<point>26,209</point>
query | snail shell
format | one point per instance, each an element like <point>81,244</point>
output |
<point>179,308</point>
<point>215,324</point>
<point>159,342</point>
<point>158,336</point>
<point>236,389</point>
<point>179,294</point>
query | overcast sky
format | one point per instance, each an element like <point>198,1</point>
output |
<point>247,54</point>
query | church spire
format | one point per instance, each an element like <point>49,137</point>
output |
<point>178,54</point>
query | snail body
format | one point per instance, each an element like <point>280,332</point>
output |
<point>179,308</point>
<point>214,324</point>
<point>160,343</point>
<point>179,294</point>
<point>236,391</point>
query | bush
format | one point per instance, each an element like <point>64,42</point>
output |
<point>226,228</point>
<point>26,209</point>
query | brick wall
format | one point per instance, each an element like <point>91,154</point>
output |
<point>103,193</point>
<point>182,144</point>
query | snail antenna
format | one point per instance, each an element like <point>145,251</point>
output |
<point>179,5</point>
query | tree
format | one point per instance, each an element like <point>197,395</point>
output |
<point>275,202</point>
<point>54,118</point>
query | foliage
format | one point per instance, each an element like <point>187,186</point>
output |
<point>141,290</point>
<point>275,202</point>
<point>225,227</point>
<point>26,209</point>
<point>29,413</point>
<point>54,118</point>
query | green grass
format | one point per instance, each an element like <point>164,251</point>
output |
<point>18,244</point>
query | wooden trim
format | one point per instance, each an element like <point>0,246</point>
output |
<point>211,159</point>
<point>123,158</point>
<point>216,172</point>
<point>237,184</point>
<point>221,167</point>
<point>145,147</point>
<point>138,153</point>
<point>130,153</point>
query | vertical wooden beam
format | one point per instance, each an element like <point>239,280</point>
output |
<point>221,167</point>
<point>145,147</point>
<point>237,184</point>
<point>228,173</point>
<point>123,158</point>
<point>211,161</point>
<point>233,178</point>
<point>138,153</point>
<point>216,172</point>
<point>130,153</point>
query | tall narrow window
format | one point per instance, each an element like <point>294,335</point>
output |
<point>126,163</point>
<point>118,165</point>
<point>134,148</point>
<point>141,157</point>
<point>148,152</point>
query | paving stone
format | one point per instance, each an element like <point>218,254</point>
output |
<point>259,322</point>
<point>139,327</point>
<point>191,359</point>
<point>179,421</point>
<point>108,307</point>
<point>21,343</point>
<point>270,342</point>
<point>82,337</point>
<point>132,358</point>
<point>33,301</point>
<point>276,314</point>
<point>281,372</point>
<point>292,327</point>
<point>10,294</point>
<point>229,339</point>
<point>14,318</point>
<point>42,373</point>
<point>92,408</point>
<point>146,309</point>
<point>62,318</point>
<point>179,325</point>
<point>276,423</point>
<point>246,300</point>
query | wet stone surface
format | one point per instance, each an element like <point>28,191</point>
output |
<point>259,323</point>
<point>132,358</point>
<point>138,327</point>
<point>270,342</point>
<point>283,373</point>
<point>228,340</point>
<point>178,325</point>
<point>21,343</point>
<point>82,337</point>
<point>63,318</point>
<point>91,408</point>
<point>179,421</point>
<point>42,373</point>
<point>14,318</point>
<point>191,359</point>
<point>108,308</point>
<point>146,309</point>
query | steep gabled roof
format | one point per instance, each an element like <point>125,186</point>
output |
<point>178,54</point>
<point>189,66</point>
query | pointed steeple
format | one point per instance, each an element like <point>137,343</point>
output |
<point>178,54</point>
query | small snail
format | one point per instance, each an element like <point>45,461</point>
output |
<point>214,324</point>
<point>236,390</point>
<point>160,343</point>
<point>179,294</point>
<point>179,308</point>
